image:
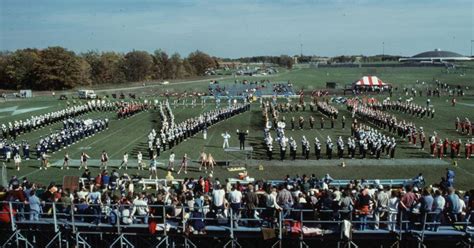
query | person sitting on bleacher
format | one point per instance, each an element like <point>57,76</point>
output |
<point>125,211</point>
<point>140,209</point>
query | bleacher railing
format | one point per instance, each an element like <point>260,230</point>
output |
<point>175,220</point>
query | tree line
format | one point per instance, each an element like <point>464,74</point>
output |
<point>56,68</point>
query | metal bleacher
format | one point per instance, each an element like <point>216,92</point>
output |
<point>370,182</point>
<point>68,228</point>
<point>237,90</point>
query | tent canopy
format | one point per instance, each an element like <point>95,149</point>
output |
<point>370,81</point>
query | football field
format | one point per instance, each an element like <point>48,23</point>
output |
<point>130,135</point>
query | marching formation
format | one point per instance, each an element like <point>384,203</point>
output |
<point>172,134</point>
<point>465,126</point>
<point>13,129</point>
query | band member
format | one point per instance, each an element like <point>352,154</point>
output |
<point>293,147</point>
<point>329,146</point>
<point>343,122</point>
<point>422,138</point>
<point>306,148</point>
<point>317,148</point>
<point>203,158</point>
<point>393,144</point>
<point>311,122</point>
<point>340,147</point>
<point>171,161</point>
<point>242,135</point>
<point>445,147</point>
<point>301,122</point>
<point>270,151</point>
<point>83,159</point>
<point>124,161</point>
<point>104,158</point>
<point>153,165</point>
<point>283,143</point>
<point>66,161</point>
<point>140,160</point>
<point>44,161</point>
<point>184,164</point>
<point>211,162</point>
<point>456,123</point>
<point>467,149</point>
<point>17,160</point>
<point>458,148</point>
<point>226,137</point>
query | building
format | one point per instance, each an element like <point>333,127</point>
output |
<point>436,56</point>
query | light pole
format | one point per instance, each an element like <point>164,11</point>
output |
<point>383,49</point>
<point>472,41</point>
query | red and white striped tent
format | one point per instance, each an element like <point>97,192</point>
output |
<point>370,81</point>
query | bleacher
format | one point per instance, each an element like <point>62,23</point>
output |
<point>240,89</point>
<point>55,229</point>
<point>395,183</point>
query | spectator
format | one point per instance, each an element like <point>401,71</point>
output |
<point>406,204</point>
<point>140,208</point>
<point>251,202</point>
<point>426,201</point>
<point>393,206</point>
<point>363,207</point>
<point>381,204</point>
<point>235,199</point>
<point>35,206</point>
<point>218,195</point>
<point>453,206</point>
<point>284,199</point>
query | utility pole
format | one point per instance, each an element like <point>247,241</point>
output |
<point>383,49</point>
<point>472,41</point>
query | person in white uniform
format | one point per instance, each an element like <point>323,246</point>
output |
<point>226,137</point>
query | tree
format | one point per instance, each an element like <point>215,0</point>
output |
<point>138,66</point>
<point>59,68</point>
<point>160,65</point>
<point>286,61</point>
<point>188,68</point>
<point>106,68</point>
<point>20,68</point>
<point>5,80</point>
<point>201,62</point>
<point>176,66</point>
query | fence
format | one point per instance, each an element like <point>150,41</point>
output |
<point>65,225</point>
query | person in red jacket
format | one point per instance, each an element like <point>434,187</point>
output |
<point>422,138</point>
<point>440,150</point>
<point>453,149</point>
<point>445,146</point>
<point>468,148</point>
<point>413,138</point>
<point>458,148</point>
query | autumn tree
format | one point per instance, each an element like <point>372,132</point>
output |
<point>138,66</point>
<point>201,62</point>
<point>59,68</point>
<point>20,67</point>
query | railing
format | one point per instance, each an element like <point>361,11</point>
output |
<point>60,217</point>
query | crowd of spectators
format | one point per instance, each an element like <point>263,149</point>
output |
<point>207,201</point>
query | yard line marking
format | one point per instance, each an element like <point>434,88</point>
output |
<point>120,129</point>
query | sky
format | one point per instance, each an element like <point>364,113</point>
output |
<point>240,28</point>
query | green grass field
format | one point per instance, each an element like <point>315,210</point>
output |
<point>131,134</point>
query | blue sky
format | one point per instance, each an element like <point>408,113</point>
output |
<point>241,27</point>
